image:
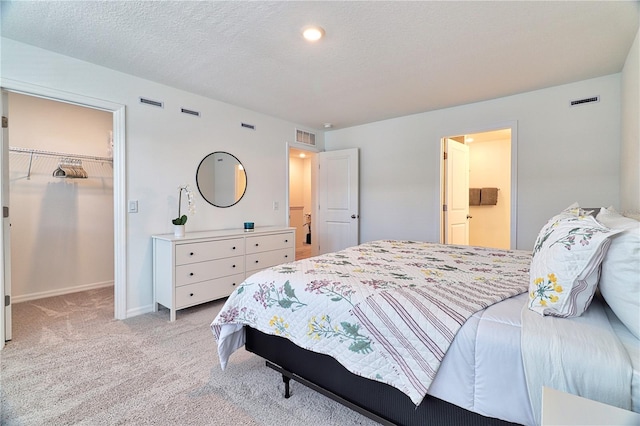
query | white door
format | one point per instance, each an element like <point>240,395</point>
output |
<point>457,193</point>
<point>338,196</point>
<point>5,246</point>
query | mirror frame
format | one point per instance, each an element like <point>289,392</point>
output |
<point>246,180</point>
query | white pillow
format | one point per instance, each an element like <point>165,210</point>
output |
<point>620,277</point>
<point>565,265</point>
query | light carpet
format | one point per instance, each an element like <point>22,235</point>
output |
<point>70,362</point>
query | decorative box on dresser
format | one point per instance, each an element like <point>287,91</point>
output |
<point>208,265</point>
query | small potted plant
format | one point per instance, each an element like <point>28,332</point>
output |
<point>179,222</point>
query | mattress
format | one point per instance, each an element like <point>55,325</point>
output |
<point>485,356</point>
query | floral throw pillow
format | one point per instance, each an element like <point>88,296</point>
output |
<point>565,266</point>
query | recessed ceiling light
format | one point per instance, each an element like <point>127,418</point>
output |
<point>327,125</point>
<point>313,33</point>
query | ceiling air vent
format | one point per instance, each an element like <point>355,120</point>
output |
<point>585,101</point>
<point>151,102</point>
<point>306,138</point>
<point>190,112</point>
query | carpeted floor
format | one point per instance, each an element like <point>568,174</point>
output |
<point>70,362</point>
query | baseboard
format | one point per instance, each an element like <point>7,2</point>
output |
<point>60,291</point>
<point>139,310</point>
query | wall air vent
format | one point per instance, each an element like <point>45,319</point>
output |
<point>248,126</point>
<point>585,101</point>
<point>151,102</point>
<point>305,137</point>
<point>190,112</point>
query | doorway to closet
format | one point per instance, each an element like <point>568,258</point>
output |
<point>490,167</point>
<point>302,190</point>
<point>61,188</point>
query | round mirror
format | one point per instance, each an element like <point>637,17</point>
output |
<point>221,179</point>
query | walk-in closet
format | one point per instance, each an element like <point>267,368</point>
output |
<point>61,197</point>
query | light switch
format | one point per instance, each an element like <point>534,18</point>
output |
<point>133,206</point>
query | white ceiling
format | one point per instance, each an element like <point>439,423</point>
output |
<point>379,59</point>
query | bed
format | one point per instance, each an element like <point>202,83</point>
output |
<point>410,332</point>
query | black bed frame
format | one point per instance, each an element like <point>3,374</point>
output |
<point>375,400</point>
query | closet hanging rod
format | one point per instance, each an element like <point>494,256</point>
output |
<point>58,154</point>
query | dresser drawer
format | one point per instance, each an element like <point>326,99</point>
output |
<point>200,252</point>
<point>202,271</point>
<point>258,261</point>
<point>270,242</point>
<point>205,291</point>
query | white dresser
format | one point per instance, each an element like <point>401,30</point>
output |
<point>204,266</point>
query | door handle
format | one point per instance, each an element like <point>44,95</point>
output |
<point>469,217</point>
<point>353,216</point>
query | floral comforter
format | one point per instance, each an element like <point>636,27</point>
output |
<point>386,310</point>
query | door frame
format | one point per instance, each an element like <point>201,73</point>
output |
<point>119,177</point>
<point>5,236</point>
<point>513,125</point>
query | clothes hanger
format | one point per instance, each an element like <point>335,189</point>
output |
<point>59,172</point>
<point>72,168</point>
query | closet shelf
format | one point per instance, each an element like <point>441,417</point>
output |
<point>59,154</point>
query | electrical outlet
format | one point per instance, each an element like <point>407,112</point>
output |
<point>276,205</point>
<point>133,206</point>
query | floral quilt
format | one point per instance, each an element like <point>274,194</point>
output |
<point>386,310</point>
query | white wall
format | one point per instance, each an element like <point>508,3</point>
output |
<point>490,166</point>
<point>300,182</point>
<point>61,229</point>
<point>296,198</point>
<point>563,155</point>
<point>308,185</point>
<point>630,148</point>
<point>300,195</point>
<point>164,148</point>
<point>296,182</point>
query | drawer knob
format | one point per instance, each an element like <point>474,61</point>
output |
<point>191,254</point>
<point>190,274</point>
<point>233,248</point>
<point>286,255</point>
<point>257,244</point>
<point>256,261</point>
<point>233,284</point>
<point>191,294</point>
<point>286,241</point>
<point>233,266</point>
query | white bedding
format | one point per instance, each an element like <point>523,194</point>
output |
<point>632,346</point>
<point>485,356</point>
<point>582,356</point>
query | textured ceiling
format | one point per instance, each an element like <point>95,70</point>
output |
<point>378,60</point>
